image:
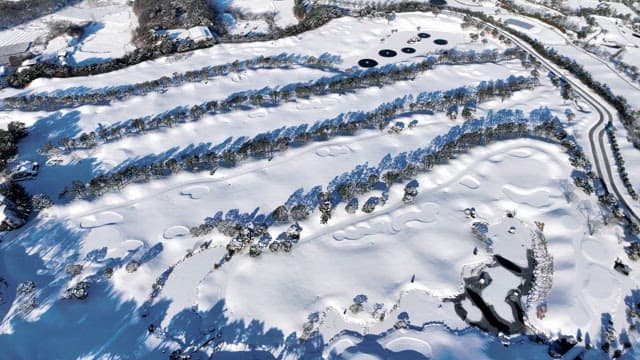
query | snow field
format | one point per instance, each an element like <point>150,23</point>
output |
<point>375,254</point>
<point>363,42</point>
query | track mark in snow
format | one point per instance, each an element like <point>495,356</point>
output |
<point>315,104</point>
<point>195,192</point>
<point>496,158</point>
<point>334,150</point>
<point>593,283</point>
<point>595,250</point>
<point>175,231</point>
<point>470,182</point>
<point>389,223</point>
<point>378,225</point>
<point>101,219</point>
<point>424,213</point>
<point>535,198</point>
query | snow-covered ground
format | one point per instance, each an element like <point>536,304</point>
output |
<point>109,36</point>
<point>345,285</point>
<point>373,35</point>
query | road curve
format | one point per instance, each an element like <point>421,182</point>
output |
<point>596,132</point>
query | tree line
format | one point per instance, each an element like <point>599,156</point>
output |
<point>251,230</point>
<point>617,154</point>
<point>19,199</point>
<point>37,102</point>
<point>264,145</point>
<point>346,188</point>
<point>339,84</point>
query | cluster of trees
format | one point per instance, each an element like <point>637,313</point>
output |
<point>80,291</point>
<point>265,145</point>
<point>588,181</point>
<point>264,97</point>
<point>36,102</point>
<point>9,142</point>
<point>622,171</point>
<point>21,11</point>
<point>316,16</point>
<point>26,296</point>
<point>17,196</point>
<point>172,14</point>
<point>19,203</point>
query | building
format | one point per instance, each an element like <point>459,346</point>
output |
<point>200,33</point>
<point>195,34</point>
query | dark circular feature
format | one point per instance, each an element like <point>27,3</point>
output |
<point>424,35</point>
<point>387,53</point>
<point>440,42</point>
<point>367,63</point>
<point>408,50</point>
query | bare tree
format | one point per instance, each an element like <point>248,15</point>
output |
<point>568,190</point>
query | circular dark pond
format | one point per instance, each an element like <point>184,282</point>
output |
<point>367,63</point>
<point>408,50</point>
<point>387,53</point>
<point>424,35</point>
<point>440,42</point>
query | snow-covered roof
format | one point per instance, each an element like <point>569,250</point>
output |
<point>197,33</point>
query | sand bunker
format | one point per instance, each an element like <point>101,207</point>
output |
<point>334,150</point>
<point>470,182</point>
<point>175,231</point>
<point>101,219</point>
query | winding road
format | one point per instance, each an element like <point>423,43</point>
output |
<point>596,131</point>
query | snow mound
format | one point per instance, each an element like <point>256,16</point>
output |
<point>101,219</point>
<point>334,150</point>
<point>470,182</point>
<point>535,198</point>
